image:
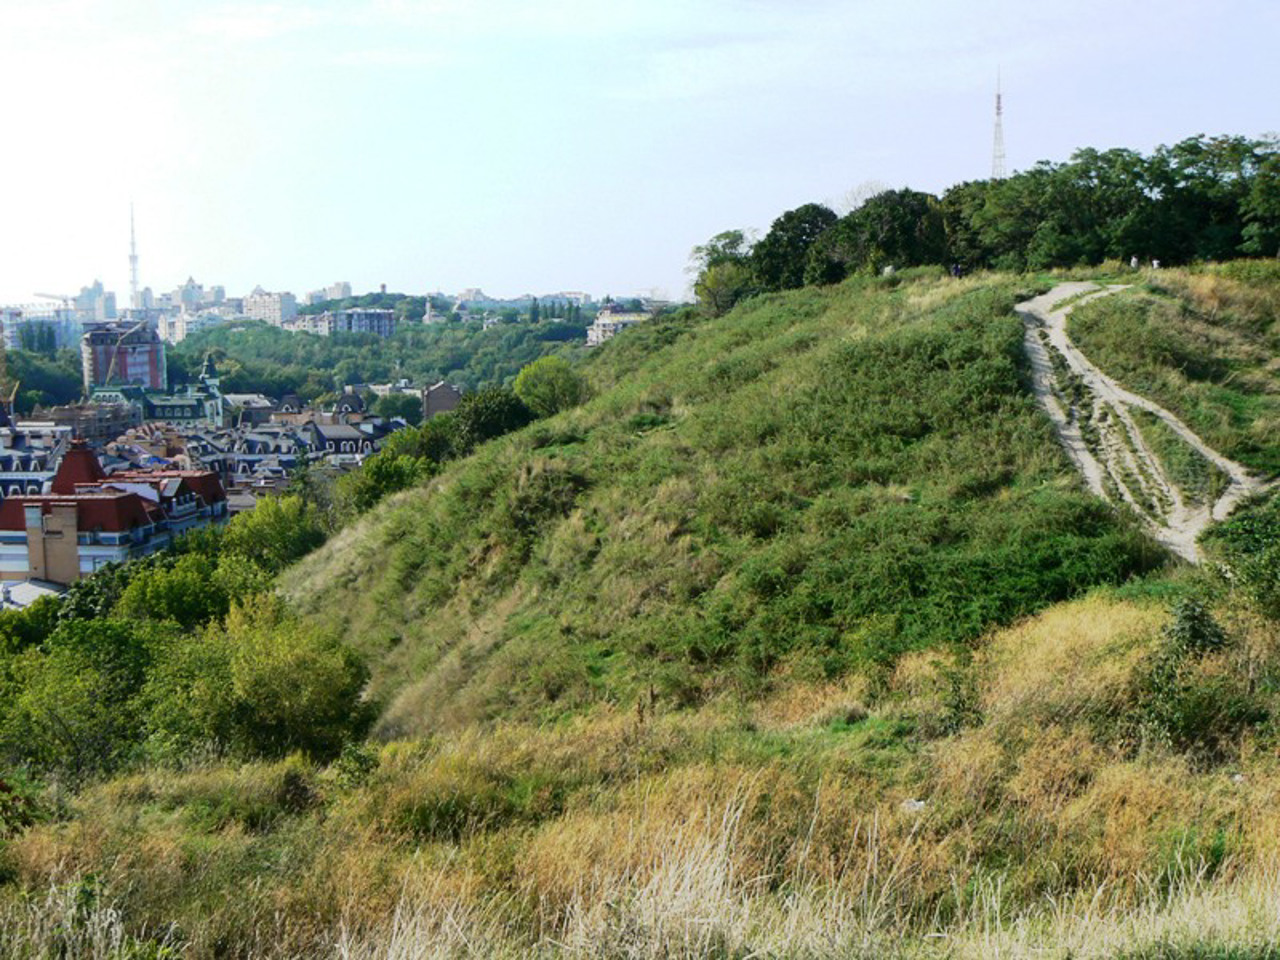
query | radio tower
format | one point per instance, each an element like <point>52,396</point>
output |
<point>997,146</point>
<point>133,265</point>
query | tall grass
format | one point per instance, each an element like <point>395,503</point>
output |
<point>71,922</point>
<point>694,903</point>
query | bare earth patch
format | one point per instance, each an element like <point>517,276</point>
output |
<point>1094,420</point>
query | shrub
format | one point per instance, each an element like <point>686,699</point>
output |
<point>185,591</point>
<point>261,684</point>
<point>21,803</point>
<point>489,413</point>
<point>74,702</point>
<point>1187,700</point>
<point>380,476</point>
<point>550,385</point>
<point>275,533</point>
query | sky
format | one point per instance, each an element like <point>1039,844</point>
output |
<point>564,145</point>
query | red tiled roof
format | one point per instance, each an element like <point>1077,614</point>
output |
<point>81,482</point>
<point>113,512</point>
<point>79,465</point>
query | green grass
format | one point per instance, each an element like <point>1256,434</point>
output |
<point>711,667</point>
<point>813,484</point>
<point>1195,476</point>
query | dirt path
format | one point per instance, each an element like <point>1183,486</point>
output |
<point>1094,419</point>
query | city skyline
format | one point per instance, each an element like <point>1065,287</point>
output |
<point>444,145</point>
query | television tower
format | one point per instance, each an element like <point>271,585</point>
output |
<point>133,264</point>
<point>997,147</point>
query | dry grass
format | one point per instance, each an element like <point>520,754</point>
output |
<point>696,902</point>
<point>1074,658</point>
<point>1217,295</point>
<point>725,831</point>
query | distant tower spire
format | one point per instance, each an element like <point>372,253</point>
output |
<point>134,302</point>
<point>997,147</point>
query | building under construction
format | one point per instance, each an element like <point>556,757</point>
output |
<point>114,353</point>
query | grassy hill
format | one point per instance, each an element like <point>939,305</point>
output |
<point>800,639</point>
<point>810,486</point>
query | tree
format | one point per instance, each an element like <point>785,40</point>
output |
<point>406,406</point>
<point>492,412</point>
<point>264,683</point>
<point>722,268</point>
<point>72,704</point>
<point>730,246</point>
<point>535,312</point>
<point>185,591</point>
<point>275,533</point>
<point>899,227</point>
<point>21,629</point>
<point>719,288</point>
<point>550,385</point>
<point>779,260</point>
<point>379,476</point>
<point>1262,210</point>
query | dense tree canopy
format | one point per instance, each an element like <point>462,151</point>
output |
<point>406,406</point>
<point>258,358</point>
<point>779,258</point>
<point>1205,198</point>
<point>901,228</point>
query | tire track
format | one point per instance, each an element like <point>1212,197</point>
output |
<point>1093,418</point>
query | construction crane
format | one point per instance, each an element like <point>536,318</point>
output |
<point>68,301</point>
<point>115,353</point>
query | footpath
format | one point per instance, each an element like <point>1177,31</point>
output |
<point>1096,421</point>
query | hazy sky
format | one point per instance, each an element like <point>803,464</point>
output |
<point>569,144</point>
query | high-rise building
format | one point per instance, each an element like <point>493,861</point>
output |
<point>189,295</point>
<point>112,353</point>
<point>94,304</point>
<point>273,308</point>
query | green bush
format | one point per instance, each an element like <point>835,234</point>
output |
<point>275,533</point>
<point>186,591</point>
<point>22,803</point>
<point>550,385</point>
<point>73,703</point>
<point>260,684</point>
<point>1249,543</point>
<point>1184,705</point>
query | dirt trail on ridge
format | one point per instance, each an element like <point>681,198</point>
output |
<point>1094,420</point>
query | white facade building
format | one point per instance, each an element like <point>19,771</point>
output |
<point>273,308</point>
<point>355,320</point>
<point>609,324</point>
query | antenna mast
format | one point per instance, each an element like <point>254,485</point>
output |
<point>997,147</point>
<point>133,264</point>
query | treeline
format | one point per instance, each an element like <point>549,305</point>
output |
<point>406,307</point>
<point>44,377</point>
<point>259,358</point>
<point>1201,199</point>
<point>183,652</point>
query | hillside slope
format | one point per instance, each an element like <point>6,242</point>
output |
<point>811,485</point>
<point>799,517</point>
